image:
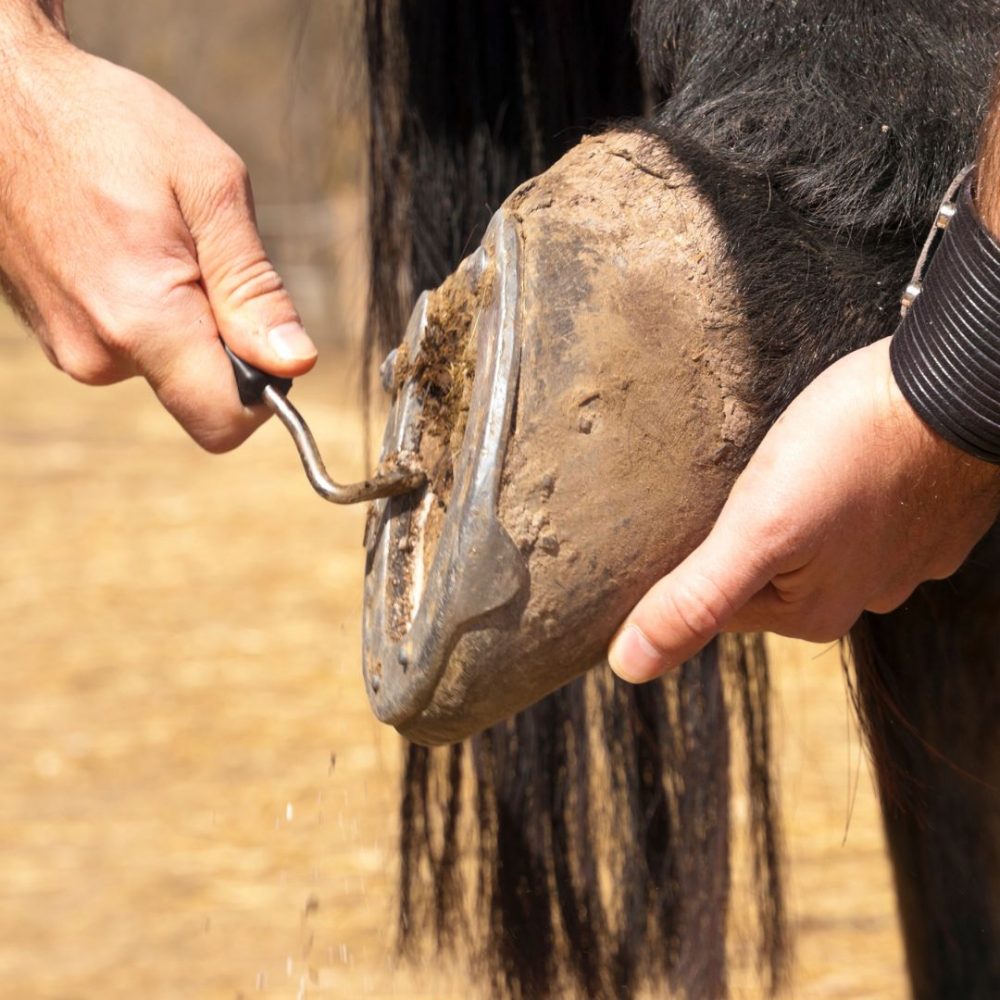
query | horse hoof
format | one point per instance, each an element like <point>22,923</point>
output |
<point>572,393</point>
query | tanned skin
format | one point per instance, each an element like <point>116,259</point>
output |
<point>127,232</point>
<point>849,503</point>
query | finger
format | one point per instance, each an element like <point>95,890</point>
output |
<point>891,599</point>
<point>689,606</point>
<point>69,340</point>
<point>196,384</point>
<point>253,310</point>
<point>83,357</point>
<point>816,617</point>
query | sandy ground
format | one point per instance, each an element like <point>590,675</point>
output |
<point>196,801</point>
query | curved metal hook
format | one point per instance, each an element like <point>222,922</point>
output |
<point>256,386</point>
<point>401,478</point>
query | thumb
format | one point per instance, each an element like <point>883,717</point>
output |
<point>252,308</point>
<point>688,607</point>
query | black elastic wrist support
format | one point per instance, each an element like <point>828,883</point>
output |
<point>946,352</point>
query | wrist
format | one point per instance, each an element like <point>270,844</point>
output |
<point>925,469</point>
<point>946,352</point>
<point>34,56</point>
<point>28,27</point>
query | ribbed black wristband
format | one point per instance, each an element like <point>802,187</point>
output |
<point>946,352</point>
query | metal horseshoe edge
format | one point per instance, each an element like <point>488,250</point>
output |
<point>415,614</point>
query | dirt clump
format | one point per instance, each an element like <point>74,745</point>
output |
<point>443,371</point>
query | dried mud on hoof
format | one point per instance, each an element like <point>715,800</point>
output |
<point>572,391</point>
<point>443,372</point>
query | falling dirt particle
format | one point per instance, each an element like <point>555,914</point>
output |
<point>585,425</point>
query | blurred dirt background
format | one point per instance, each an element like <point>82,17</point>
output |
<point>196,801</point>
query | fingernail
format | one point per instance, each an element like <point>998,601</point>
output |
<point>633,657</point>
<point>291,343</point>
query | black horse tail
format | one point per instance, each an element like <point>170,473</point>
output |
<point>584,845</point>
<point>925,687</point>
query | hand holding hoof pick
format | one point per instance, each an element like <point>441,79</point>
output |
<point>129,241</point>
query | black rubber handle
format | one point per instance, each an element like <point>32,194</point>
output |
<point>251,382</point>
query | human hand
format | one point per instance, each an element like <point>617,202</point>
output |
<point>848,504</point>
<point>127,235</point>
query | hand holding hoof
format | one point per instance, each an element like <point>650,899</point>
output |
<point>849,503</point>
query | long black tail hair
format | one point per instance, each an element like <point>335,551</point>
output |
<point>583,846</point>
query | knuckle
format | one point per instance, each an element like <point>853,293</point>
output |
<point>882,605</point>
<point>890,600</point>
<point>87,363</point>
<point>235,172</point>
<point>824,627</point>
<point>222,191</point>
<point>217,439</point>
<point>115,330</point>
<point>698,604</point>
<point>122,304</point>
<point>249,280</point>
<point>218,429</point>
<point>820,634</point>
<point>138,303</point>
<point>945,566</point>
<point>777,534</point>
<point>219,443</point>
<point>231,184</point>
